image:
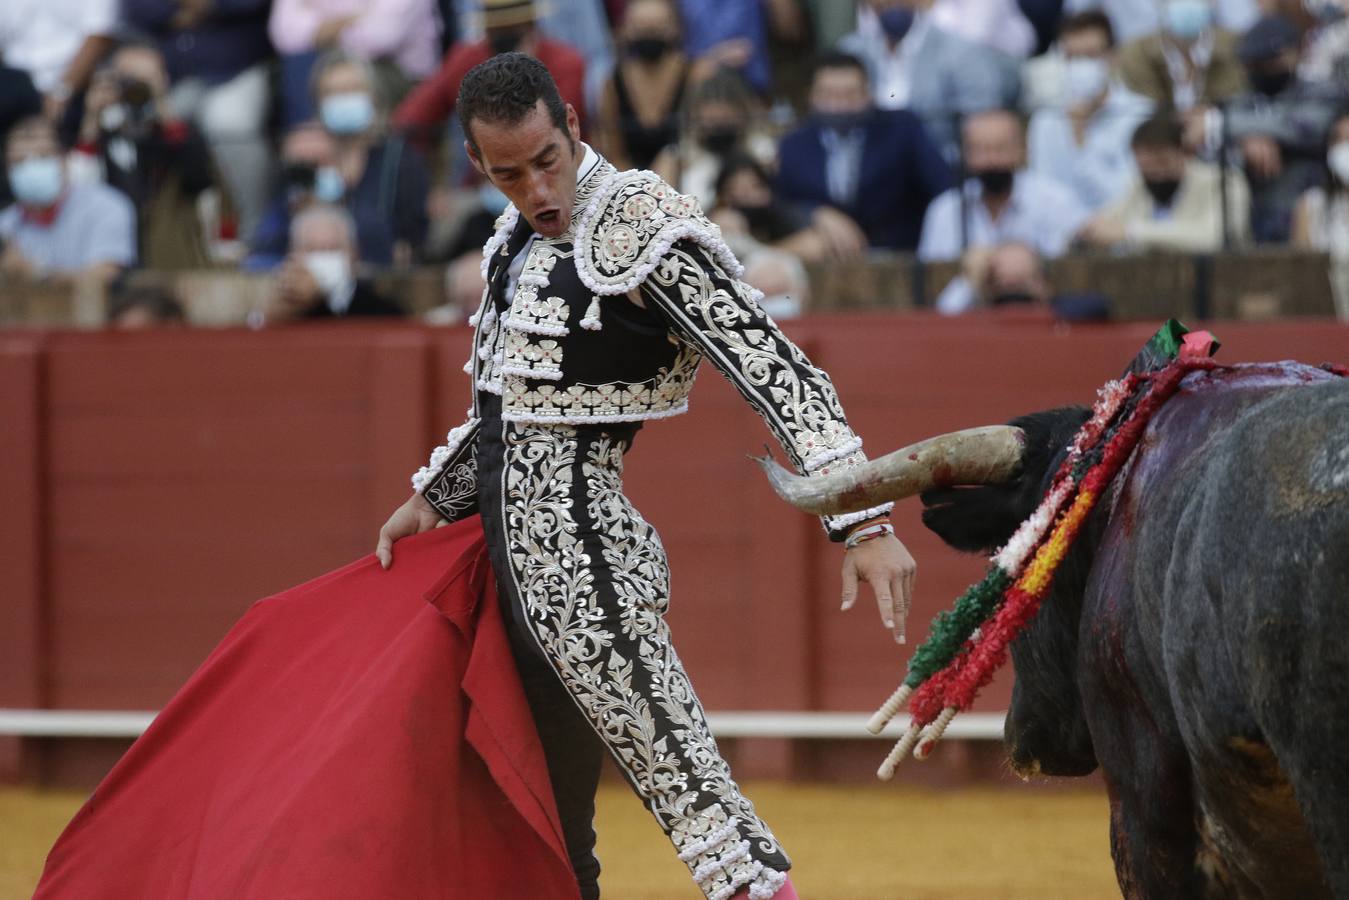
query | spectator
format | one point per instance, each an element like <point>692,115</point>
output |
<point>1011,278</point>
<point>55,228</point>
<point>317,280</point>
<point>160,163</point>
<point>1133,19</point>
<point>306,149</point>
<point>401,38</point>
<point>1189,66</point>
<point>58,43</point>
<point>1327,58</point>
<point>582,25</point>
<point>19,100</point>
<point>640,101</point>
<point>746,206</point>
<point>1085,141</point>
<point>217,55</point>
<point>997,24</point>
<point>1279,127</point>
<point>722,118</point>
<point>380,179</point>
<point>509,25</point>
<point>1176,204</point>
<point>915,64</point>
<point>856,169</point>
<point>733,35</point>
<point>136,308</point>
<point>999,202</point>
<point>782,280</point>
<point>1321,220</point>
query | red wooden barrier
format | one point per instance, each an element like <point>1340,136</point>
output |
<point>154,484</point>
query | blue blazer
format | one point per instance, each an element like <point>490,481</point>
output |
<point>901,172</point>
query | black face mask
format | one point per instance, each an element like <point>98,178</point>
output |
<point>997,182</point>
<point>1271,84</point>
<point>648,49</point>
<point>759,218</point>
<point>719,141</point>
<point>1164,191</point>
<point>505,41</point>
<point>896,22</point>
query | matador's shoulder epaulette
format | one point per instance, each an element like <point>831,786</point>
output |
<point>629,226</point>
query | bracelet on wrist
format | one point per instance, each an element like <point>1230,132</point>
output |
<point>868,533</point>
<point>867,523</point>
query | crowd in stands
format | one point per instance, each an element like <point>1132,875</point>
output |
<point>316,139</point>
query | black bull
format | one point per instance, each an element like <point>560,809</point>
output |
<point>1194,643</point>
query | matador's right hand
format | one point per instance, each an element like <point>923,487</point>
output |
<point>413,517</point>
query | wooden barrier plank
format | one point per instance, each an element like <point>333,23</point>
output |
<point>398,404</point>
<point>23,637</point>
<point>22,529</point>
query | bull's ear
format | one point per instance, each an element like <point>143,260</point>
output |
<point>982,518</point>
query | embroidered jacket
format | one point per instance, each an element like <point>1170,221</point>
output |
<point>572,348</point>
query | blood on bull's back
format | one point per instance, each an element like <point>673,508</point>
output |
<point>1212,664</point>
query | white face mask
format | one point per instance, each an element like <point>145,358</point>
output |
<point>37,181</point>
<point>1085,79</point>
<point>331,270</point>
<point>1338,160</point>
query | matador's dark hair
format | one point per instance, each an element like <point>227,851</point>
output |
<point>505,89</point>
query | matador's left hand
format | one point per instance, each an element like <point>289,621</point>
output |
<point>886,565</point>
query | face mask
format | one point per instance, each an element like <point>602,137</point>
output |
<point>1164,191</point>
<point>843,121</point>
<point>492,200</point>
<point>759,218</point>
<point>1085,79</point>
<point>1271,84</point>
<point>37,182</point>
<point>347,114</point>
<point>1338,160</point>
<point>997,182</point>
<point>1188,19</point>
<point>781,306</point>
<point>331,270</point>
<point>648,49</point>
<point>329,186</point>
<point>720,141</point>
<point>895,22</point>
<point>505,41</point>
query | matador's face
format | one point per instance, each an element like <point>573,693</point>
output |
<point>532,162</point>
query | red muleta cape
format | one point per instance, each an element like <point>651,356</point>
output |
<point>363,735</point>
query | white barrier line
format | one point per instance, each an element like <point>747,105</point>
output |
<point>974,726</point>
<point>815,725</point>
<point>73,723</point>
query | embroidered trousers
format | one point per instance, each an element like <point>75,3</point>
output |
<point>586,585</point>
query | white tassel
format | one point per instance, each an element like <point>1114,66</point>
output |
<point>591,320</point>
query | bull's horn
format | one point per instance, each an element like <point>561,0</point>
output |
<point>985,455</point>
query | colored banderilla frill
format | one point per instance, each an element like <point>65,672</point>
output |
<point>968,644</point>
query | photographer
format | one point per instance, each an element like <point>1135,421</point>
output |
<point>160,163</point>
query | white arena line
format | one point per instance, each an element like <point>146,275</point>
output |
<point>816,725</point>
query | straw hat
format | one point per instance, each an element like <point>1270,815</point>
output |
<point>508,13</point>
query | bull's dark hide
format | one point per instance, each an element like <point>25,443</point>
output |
<point>1194,644</point>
